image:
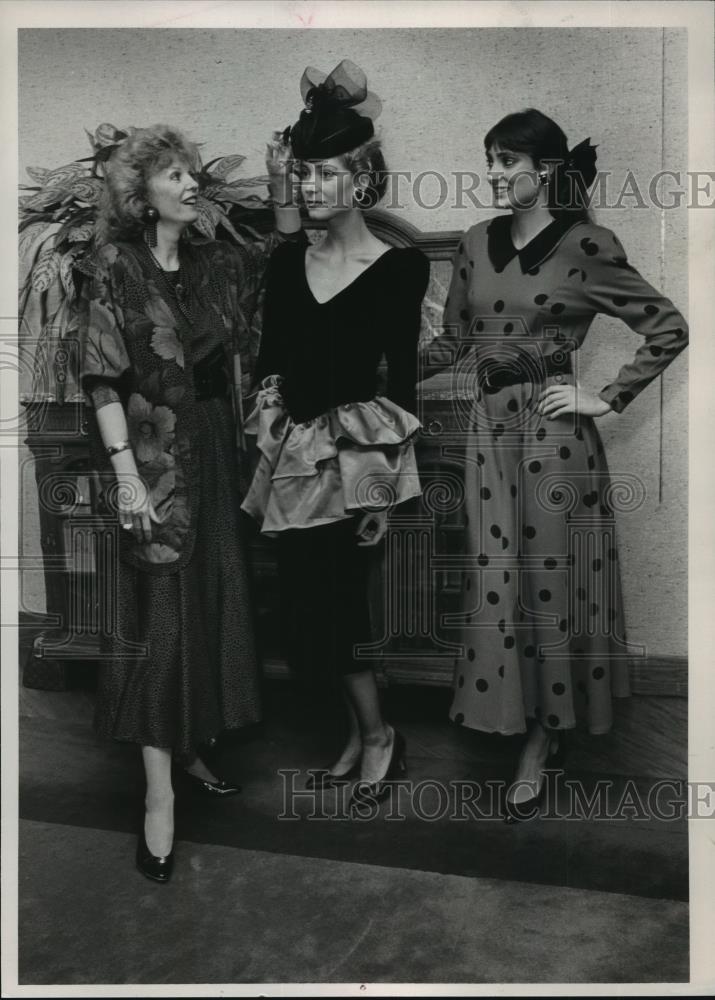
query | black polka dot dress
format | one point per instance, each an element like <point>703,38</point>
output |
<point>543,634</point>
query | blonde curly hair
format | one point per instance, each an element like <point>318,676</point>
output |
<point>137,158</point>
<point>367,165</point>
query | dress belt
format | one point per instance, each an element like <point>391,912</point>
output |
<point>494,374</point>
<point>210,376</point>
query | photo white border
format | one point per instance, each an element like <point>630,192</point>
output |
<point>698,16</point>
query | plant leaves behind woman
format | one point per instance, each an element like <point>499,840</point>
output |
<point>58,215</point>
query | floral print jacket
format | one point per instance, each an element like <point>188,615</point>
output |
<point>138,348</point>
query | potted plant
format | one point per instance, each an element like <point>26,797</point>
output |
<point>57,218</point>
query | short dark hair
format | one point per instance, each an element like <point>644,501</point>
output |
<point>534,133</point>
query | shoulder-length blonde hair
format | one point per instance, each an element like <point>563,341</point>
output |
<point>133,163</point>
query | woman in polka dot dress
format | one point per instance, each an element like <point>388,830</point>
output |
<point>544,639</point>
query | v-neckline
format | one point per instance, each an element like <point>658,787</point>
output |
<point>345,287</point>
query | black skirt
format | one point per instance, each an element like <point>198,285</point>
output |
<point>199,674</point>
<point>325,578</point>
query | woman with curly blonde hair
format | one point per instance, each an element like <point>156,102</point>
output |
<point>164,322</point>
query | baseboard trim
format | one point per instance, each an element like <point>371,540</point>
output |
<point>660,676</point>
<point>664,676</point>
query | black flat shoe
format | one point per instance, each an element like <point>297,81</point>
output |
<point>373,792</point>
<point>218,789</point>
<point>326,779</point>
<point>157,869</point>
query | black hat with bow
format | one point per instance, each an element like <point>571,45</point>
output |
<point>338,114</point>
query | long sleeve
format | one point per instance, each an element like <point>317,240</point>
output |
<point>615,288</point>
<point>103,354</point>
<point>401,350</point>
<point>445,350</point>
<point>250,275</point>
<point>271,356</point>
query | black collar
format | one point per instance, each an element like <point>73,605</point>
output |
<point>501,250</point>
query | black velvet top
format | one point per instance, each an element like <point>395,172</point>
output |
<point>328,354</point>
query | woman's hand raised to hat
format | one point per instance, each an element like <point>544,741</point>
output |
<point>282,181</point>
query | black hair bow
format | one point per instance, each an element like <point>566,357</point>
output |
<point>582,160</point>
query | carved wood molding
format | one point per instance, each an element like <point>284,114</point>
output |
<point>436,245</point>
<point>657,676</point>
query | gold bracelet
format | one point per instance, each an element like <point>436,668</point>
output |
<point>114,449</point>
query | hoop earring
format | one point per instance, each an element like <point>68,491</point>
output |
<point>150,217</point>
<point>362,198</point>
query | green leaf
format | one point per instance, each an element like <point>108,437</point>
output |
<point>214,210</point>
<point>76,219</point>
<point>28,239</point>
<point>63,176</point>
<point>229,227</point>
<point>246,198</point>
<point>81,234</point>
<point>225,166</point>
<point>108,135</point>
<point>248,182</point>
<point>43,199</point>
<point>65,210</point>
<point>66,266</point>
<point>87,189</point>
<point>45,270</point>
<point>30,218</point>
<point>213,191</point>
<point>205,222</point>
<point>252,232</point>
<point>38,174</point>
<point>29,252</point>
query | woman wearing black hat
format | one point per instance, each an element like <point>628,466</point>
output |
<point>335,454</point>
<point>545,643</point>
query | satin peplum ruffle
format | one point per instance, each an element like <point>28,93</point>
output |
<point>354,456</point>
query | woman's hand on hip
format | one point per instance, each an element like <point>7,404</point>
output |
<point>372,528</point>
<point>558,400</point>
<point>279,164</point>
<point>135,508</point>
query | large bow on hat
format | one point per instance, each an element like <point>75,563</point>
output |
<point>338,112</point>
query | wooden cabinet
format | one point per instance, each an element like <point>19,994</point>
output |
<point>415,589</point>
<point>409,597</point>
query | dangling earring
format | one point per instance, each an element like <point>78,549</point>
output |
<point>150,217</point>
<point>543,177</point>
<point>362,198</point>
